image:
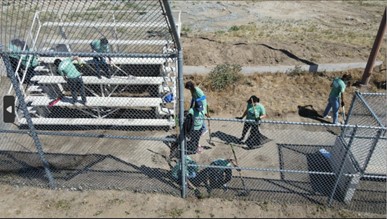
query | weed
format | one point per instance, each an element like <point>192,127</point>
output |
<point>297,71</point>
<point>115,201</point>
<point>234,28</point>
<point>264,206</point>
<point>63,204</point>
<point>97,213</point>
<point>176,212</point>
<point>186,29</point>
<point>224,75</point>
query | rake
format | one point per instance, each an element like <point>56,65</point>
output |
<point>245,191</point>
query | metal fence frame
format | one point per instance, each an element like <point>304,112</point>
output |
<point>345,140</point>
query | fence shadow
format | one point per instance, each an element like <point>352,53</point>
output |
<point>89,171</point>
<point>307,158</point>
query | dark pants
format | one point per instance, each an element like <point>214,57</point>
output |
<point>217,177</point>
<point>76,86</point>
<point>247,126</point>
<point>100,61</point>
<point>255,137</point>
<point>193,143</point>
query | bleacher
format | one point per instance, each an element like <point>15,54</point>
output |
<point>135,84</point>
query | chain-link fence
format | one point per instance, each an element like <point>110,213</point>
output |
<point>95,93</point>
<point>112,118</point>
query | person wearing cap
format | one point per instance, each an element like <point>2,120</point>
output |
<point>338,86</point>
<point>198,116</point>
<point>101,46</point>
<point>254,112</point>
<point>67,69</point>
<point>198,95</point>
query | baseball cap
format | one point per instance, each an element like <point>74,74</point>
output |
<point>199,105</point>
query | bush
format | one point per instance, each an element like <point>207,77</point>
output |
<point>224,75</point>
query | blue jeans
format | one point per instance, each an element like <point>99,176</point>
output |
<point>334,104</point>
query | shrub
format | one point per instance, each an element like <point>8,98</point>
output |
<point>224,75</point>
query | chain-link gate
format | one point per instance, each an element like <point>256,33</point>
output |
<point>95,87</point>
<point>111,118</point>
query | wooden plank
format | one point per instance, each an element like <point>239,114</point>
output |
<point>121,102</point>
<point>105,24</point>
<point>119,60</point>
<point>88,121</point>
<point>118,42</point>
<point>42,79</point>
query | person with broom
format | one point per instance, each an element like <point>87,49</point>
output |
<point>254,112</point>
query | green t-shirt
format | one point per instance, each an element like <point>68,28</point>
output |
<point>221,162</point>
<point>68,69</point>
<point>256,111</point>
<point>338,87</point>
<point>198,118</point>
<point>190,171</point>
<point>197,94</point>
<point>98,47</point>
<point>33,61</point>
<point>14,48</point>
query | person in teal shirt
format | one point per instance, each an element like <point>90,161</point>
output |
<point>337,92</point>
<point>28,62</point>
<point>198,95</point>
<point>218,177</point>
<point>254,112</point>
<point>67,69</point>
<point>191,172</point>
<point>198,117</point>
<point>101,46</point>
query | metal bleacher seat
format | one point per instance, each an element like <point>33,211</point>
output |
<point>101,121</point>
<point>120,80</point>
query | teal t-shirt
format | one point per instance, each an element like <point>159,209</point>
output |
<point>68,69</point>
<point>198,94</point>
<point>98,47</point>
<point>33,61</point>
<point>256,111</point>
<point>191,171</point>
<point>221,162</point>
<point>338,87</point>
<point>198,118</point>
<point>14,48</point>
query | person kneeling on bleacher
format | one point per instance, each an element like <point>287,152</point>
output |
<point>67,69</point>
<point>101,46</point>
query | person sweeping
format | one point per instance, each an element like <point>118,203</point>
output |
<point>254,112</point>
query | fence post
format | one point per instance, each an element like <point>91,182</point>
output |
<point>344,129</point>
<point>181,93</point>
<point>27,116</point>
<point>342,165</point>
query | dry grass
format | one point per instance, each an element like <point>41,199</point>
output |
<point>279,93</point>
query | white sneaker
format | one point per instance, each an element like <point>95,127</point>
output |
<point>327,117</point>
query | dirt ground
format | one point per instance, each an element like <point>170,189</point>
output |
<point>244,33</point>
